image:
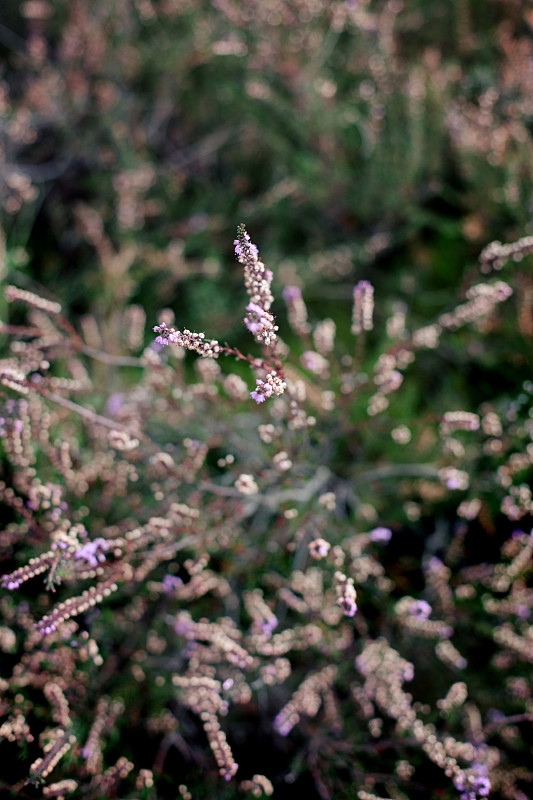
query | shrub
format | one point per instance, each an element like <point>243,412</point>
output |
<point>311,578</point>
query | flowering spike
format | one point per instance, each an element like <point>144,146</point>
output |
<point>363,307</point>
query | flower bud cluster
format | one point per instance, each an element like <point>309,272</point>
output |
<point>305,701</point>
<point>346,594</point>
<point>60,789</point>
<point>459,421</point>
<point>319,549</point>
<point>222,643</point>
<point>324,336</point>
<point>245,484</point>
<point>261,323</point>
<point>75,606</point>
<point>35,566</point>
<point>54,750</point>
<point>272,385</point>
<point>203,696</point>
<point>455,697</point>
<point>14,294</point>
<point>264,619</point>
<point>363,307</point>
<point>496,254</point>
<point>257,278</point>
<point>258,785</point>
<point>207,348</point>
<point>60,708</point>
<point>481,300</point>
<point>296,310</point>
<point>108,781</point>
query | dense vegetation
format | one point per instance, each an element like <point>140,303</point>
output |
<point>294,553</point>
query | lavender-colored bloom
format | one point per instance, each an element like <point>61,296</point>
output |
<point>481,786</point>
<point>91,552</point>
<point>272,384</point>
<point>268,625</point>
<point>380,535</point>
<point>291,293</point>
<point>420,609</point>
<point>283,729</point>
<point>347,606</point>
<point>257,396</point>
<point>255,309</point>
<point>434,564</point>
<point>319,548</point>
<point>314,362</point>
<point>171,582</point>
<point>115,402</point>
<point>244,247</point>
<point>256,319</point>
<point>184,626</point>
<point>257,278</point>
<point>473,784</point>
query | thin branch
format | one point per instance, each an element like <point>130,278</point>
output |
<point>397,471</point>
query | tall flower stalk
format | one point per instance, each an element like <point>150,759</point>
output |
<point>258,320</point>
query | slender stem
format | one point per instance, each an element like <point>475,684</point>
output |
<point>397,471</point>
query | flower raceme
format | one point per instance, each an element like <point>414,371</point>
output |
<point>261,323</point>
<point>258,320</point>
<point>272,384</point>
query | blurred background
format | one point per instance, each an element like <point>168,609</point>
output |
<point>359,139</point>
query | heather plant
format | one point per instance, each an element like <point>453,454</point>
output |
<point>281,542</point>
<point>361,139</point>
<point>232,574</point>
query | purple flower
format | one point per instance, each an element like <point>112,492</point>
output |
<point>380,535</point>
<point>420,609</point>
<point>319,548</point>
<point>314,362</point>
<point>254,325</point>
<point>291,293</point>
<point>272,384</point>
<point>268,625</point>
<point>244,247</point>
<point>474,783</point>
<point>255,308</point>
<point>347,606</point>
<point>115,401</point>
<point>171,582</point>
<point>91,552</point>
<point>257,396</point>
<point>481,786</point>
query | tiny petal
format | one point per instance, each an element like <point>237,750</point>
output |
<point>257,396</point>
